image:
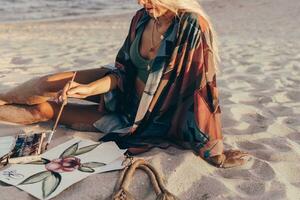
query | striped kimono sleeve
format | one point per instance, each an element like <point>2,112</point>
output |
<point>206,102</point>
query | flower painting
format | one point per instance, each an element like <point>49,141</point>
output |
<point>67,162</point>
<point>63,166</point>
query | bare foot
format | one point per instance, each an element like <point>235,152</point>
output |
<point>230,158</point>
<point>2,102</point>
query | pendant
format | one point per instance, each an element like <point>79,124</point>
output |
<point>162,37</point>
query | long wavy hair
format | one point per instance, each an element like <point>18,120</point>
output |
<point>177,6</point>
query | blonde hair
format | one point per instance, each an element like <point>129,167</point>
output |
<point>193,6</point>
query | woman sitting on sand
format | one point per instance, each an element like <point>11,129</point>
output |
<point>162,87</point>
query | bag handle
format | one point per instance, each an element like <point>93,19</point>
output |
<point>122,187</point>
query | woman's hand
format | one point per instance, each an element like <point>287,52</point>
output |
<point>230,158</point>
<point>75,90</point>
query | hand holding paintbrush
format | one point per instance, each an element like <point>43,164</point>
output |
<point>65,101</point>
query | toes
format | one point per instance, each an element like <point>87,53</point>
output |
<point>2,103</point>
<point>233,163</point>
<point>240,155</point>
<point>236,153</point>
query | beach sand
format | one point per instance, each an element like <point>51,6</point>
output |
<point>260,99</point>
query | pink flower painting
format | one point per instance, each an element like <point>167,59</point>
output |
<point>61,165</point>
<point>66,163</point>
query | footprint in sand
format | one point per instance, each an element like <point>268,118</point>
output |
<point>281,110</point>
<point>294,95</point>
<point>255,123</point>
<point>264,99</point>
<point>228,122</point>
<point>206,188</point>
<point>251,145</point>
<point>170,160</point>
<point>235,173</point>
<point>20,61</point>
<point>297,184</point>
<point>262,170</point>
<point>294,136</point>
<point>252,188</point>
<point>254,70</point>
<point>270,149</point>
<point>252,181</point>
<point>278,144</point>
<point>264,154</point>
<point>82,61</point>
<point>292,174</point>
<point>276,191</point>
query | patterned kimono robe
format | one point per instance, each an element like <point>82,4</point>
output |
<point>180,99</point>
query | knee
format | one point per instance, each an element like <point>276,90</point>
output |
<point>43,111</point>
<point>44,83</point>
<point>54,82</point>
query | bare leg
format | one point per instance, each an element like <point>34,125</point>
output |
<point>41,89</point>
<point>21,114</point>
<point>79,117</point>
<point>75,116</point>
<point>2,102</point>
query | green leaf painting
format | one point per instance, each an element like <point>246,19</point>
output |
<point>43,161</point>
<point>36,178</point>
<point>50,184</point>
<point>86,149</point>
<point>86,169</point>
<point>93,164</point>
<point>69,151</point>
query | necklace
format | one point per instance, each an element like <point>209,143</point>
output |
<point>153,46</point>
<point>156,23</point>
<point>157,29</point>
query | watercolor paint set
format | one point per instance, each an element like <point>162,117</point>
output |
<point>28,144</point>
<point>24,146</point>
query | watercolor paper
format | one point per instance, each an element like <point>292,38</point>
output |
<point>63,166</point>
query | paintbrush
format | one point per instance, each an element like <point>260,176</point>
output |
<point>25,159</point>
<point>59,114</point>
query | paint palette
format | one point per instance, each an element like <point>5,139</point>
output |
<point>23,145</point>
<point>28,144</point>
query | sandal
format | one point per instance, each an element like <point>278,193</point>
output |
<point>217,163</point>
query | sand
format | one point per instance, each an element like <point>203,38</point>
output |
<point>258,83</point>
